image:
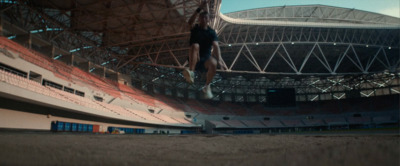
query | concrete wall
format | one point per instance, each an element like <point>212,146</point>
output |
<point>8,90</point>
<point>124,79</point>
<point>12,119</point>
<point>25,66</point>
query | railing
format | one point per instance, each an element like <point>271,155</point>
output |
<point>36,87</point>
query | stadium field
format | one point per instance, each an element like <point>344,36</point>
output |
<point>343,148</point>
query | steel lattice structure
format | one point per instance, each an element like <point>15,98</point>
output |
<point>309,40</point>
<point>322,51</point>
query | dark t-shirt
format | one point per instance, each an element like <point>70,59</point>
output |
<point>205,38</point>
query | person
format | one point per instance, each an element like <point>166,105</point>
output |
<point>202,39</point>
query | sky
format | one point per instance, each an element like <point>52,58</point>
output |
<point>387,7</point>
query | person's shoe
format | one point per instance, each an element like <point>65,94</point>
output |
<point>207,92</point>
<point>189,75</point>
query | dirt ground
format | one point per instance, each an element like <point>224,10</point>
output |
<point>27,148</point>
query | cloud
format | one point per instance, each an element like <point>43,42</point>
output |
<point>394,11</point>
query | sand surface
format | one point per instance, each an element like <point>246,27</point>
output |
<point>94,149</point>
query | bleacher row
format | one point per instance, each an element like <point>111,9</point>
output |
<point>85,102</point>
<point>161,102</point>
<point>115,89</point>
<point>91,81</point>
<point>76,75</point>
<point>290,123</point>
<point>158,118</point>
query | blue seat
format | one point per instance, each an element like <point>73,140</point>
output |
<point>67,126</point>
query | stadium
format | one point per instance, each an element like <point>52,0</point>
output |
<point>88,69</point>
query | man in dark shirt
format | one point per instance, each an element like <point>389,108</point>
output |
<point>203,39</point>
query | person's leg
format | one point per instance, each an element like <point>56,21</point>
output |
<point>193,59</point>
<point>211,66</point>
<point>193,56</point>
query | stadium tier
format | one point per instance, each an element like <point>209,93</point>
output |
<point>342,70</point>
<point>140,101</point>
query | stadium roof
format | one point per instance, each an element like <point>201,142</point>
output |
<point>314,13</point>
<point>312,39</point>
<point>125,34</point>
<point>312,16</point>
<point>151,35</point>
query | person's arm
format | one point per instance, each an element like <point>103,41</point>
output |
<point>193,18</point>
<point>196,13</point>
<point>217,55</point>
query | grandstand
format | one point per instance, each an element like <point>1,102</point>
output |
<point>60,66</point>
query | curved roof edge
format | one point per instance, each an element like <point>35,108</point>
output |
<point>311,14</point>
<point>307,24</point>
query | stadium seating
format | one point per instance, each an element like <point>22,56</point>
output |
<point>231,108</point>
<point>313,122</point>
<point>137,95</point>
<point>219,124</point>
<point>167,103</point>
<point>72,98</point>
<point>383,120</point>
<point>157,118</point>
<point>331,107</point>
<point>61,70</point>
<point>336,121</point>
<point>254,124</point>
<point>293,123</point>
<point>334,109</point>
<point>235,123</point>
<point>197,107</point>
<point>359,120</point>
<point>171,120</point>
<point>384,103</point>
<point>258,109</point>
<point>305,108</point>
<point>272,123</point>
<point>185,107</point>
<point>170,104</point>
<point>214,109</point>
<point>181,120</point>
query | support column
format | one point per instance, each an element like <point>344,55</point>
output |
<point>111,75</point>
<point>24,40</point>
<point>84,66</point>
<point>1,25</point>
<point>63,55</point>
<point>98,70</point>
<point>47,50</point>
<point>68,59</point>
<point>124,79</point>
<point>41,45</point>
<point>186,94</point>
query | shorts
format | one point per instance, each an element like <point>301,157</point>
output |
<point>200,65</point>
